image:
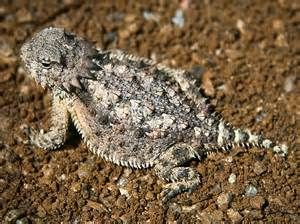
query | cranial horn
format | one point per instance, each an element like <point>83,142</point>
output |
<point>75,82</point>
<point>67,86</point>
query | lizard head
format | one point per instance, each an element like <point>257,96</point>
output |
<point>57,59</point>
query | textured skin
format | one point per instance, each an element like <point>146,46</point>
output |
<point>129,110</point>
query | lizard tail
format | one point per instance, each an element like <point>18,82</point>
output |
<point>229,136</point>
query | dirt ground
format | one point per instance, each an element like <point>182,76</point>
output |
<point>247,56</point>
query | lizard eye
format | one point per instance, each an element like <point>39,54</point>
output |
<point>46,63</point>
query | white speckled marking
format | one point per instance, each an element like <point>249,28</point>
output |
<point>267,143</point>
<point>253,138</point>
<point>223,133</point>
<point>238,136</point>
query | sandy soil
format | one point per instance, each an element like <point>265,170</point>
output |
<point>247,56</point>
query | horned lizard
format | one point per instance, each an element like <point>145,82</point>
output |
<point>129,110</point>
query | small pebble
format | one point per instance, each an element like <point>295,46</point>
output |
<point>151,16</point>
<point>250,191</point>
<point>241,26</point>
<point>48,171</point>
<point>63,177</point>
<point>23,220</point>
<point>260,116</point>
<point>234,216</point>
<point>76,187</point>
<point>229,159</point>
<point>257,202</point>
<point>208,216</point>
<point>149,196</point>
<point>259,168</point>
<point>25,90</point>
<point>232,178</point>
<point>13,215</point>
<point>185,4</point>
<point>124,192</point>
<point>278,25</point>
<point>289,83</point>
<point>224,199</point>
<point>122,182</point>
<point>178,19</point>
<point>216,189</point>
<point>84,171</point>
<point>281,41</point>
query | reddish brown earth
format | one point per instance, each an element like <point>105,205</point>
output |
<point>247,55</point>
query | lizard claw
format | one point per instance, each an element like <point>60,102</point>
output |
<point>31,135</point>
<point>168,192</point>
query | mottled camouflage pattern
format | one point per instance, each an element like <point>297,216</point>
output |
<point>129,110</point>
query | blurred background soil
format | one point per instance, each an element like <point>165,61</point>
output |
<point>247,55</point>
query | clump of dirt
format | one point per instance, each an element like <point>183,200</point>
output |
<point>246,54</point>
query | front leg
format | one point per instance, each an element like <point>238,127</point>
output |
<point>169,167</point>
<point>57,134</point>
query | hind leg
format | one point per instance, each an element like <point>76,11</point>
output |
<point>168,167</point>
